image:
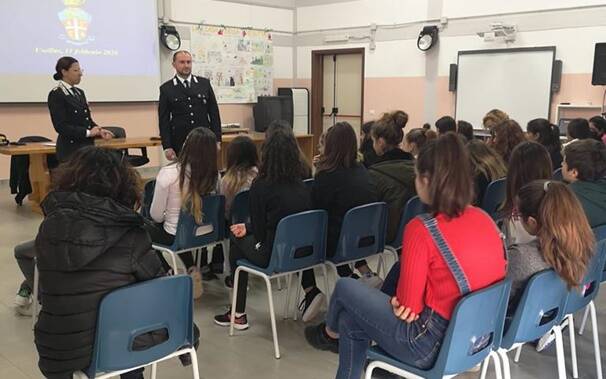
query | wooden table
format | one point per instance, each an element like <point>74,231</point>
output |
<point>39,175</point>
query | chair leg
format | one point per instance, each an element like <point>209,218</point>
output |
<point>498,371</point>
<point>485,364</point>
<point>325,272</point>
<point>596,340</point>
<point>560,352</point>
<point>154,370</point>
<point>234,298</point>
<point>272,315</point>
<point>288,294</point>
<point>585,315</point>
<point>380,266</point>
<point>573,347</point>
<point>369,369</point>
<point>35,296</point>
<point>505,360</point>
<point>279,285</point>
<point>194,363</point>
<point>516,357</point>
<point>298,295</point>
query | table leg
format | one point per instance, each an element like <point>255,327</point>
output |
<point>39,177</point>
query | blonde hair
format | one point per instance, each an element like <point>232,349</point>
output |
<point>493,118</point>
<point>565,237</point>
<point>486,160</point>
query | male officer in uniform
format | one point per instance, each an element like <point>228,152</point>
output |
<point>186,102</point>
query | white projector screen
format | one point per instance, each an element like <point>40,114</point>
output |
<point>115,41</point>
<point>517,81</point>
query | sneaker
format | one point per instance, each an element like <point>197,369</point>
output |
<point>23,298</point>
<point>546,341</point>
<point>372,280</point>
<point>240,323</point>
<point>196,277</point>
<point>310,306</point>
<point>24,310</point>
<point>316,336</point>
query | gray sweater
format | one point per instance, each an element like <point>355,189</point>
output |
<point>523,261</point>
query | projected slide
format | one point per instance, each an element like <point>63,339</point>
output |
<point>116,42</point>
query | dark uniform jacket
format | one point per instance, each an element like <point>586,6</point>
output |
<point>182,109</point>
<point>71,119</point>
<point>86,247</point>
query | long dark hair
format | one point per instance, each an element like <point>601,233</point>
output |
<point>280,159</point>
<point>564,234</point>
<point>340,148</point>
<point>445,162</point>
<point>529,161</point>
<point>465,129</point>
<point>197,169</point>
<point>578,128</point>
<point>548,134</point>
<point>505,137</point>
<point>64,63</point>
<point>285,127</point>
<point>241,157</point>
<point>99,172</point>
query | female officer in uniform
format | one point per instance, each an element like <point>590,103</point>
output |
<point>69,111</point>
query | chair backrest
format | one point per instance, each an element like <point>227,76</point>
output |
<point>240,208</point>
<point>541,307</point>
<point>117,131</point>
<point>188,236</point>
<point>300,241</point>
<point>413,208</point>
<point>557,174</point>
<point>494,197</point>
<point>163,303</point>
<point>309,182</point>
<point>475,329</point>
<point>579,298</point>
<point>362,232</point>
<point>148,196</point>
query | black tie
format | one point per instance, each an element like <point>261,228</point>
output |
<point>76,94</point>
<point>186,83</point>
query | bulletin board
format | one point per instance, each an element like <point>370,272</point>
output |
<point>238,62</point>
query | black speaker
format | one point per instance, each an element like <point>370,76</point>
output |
<point>452,78</point>
<point>271,108</point>
<point>556,77</point>
<point>599,65</point>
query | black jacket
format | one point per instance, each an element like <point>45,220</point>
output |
<point>337,192</point>
<point>86,247</point>
<point>181,109</point>
<point>71,119</point>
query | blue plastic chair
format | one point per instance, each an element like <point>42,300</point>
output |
<point>299,245</point>
<point>472,336</point>
<point>163,303</point>
<point>494,197</point>
<point>362,235</point>
<point>240,208</point>
<point>557,174</point>
<point>578,301</point>
<point>187,238</point>
<point>541,310</point>
<point>148,195</point>
<point>413,208</point>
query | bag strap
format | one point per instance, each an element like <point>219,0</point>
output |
<point>453,264</point>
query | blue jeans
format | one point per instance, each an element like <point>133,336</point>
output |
<point>361,314</point>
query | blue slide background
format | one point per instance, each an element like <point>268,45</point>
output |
<point>125,36</point>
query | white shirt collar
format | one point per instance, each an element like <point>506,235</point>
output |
<point>67,86</point>
<point>189,79</point>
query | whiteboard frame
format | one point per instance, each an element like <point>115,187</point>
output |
<point>551,49</point>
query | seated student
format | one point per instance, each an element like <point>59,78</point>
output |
<point>465,129</point>
<point>578,129</point>
<point>529,161</point>
<point>427,291</point>
<point>564,240</point>
<point>542,131</point>
<point>446,124</point>
<point>504,137</point>
<point>487,166</point>
<point>585,169</point>
<point>277,192</point>
<point>284,126</point>
<point>416,139</point>
<point>493,118</point>
<point>369,156</point>
<point>184,184</point>
<point>91,242</point>
<point>393,174</point>
<point>24,254</point>
<point>341,183</point>
<point>598,126</point>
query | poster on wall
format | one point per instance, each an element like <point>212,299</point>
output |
<point>238,62</point>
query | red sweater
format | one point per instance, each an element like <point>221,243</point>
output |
<point>426,280</point>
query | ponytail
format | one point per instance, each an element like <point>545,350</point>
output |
<point>564,234</point>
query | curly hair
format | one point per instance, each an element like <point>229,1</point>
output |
<point>99,172</point>
<point>280,159</point>
<point>505,137</point>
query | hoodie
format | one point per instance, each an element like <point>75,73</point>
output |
<point>86,247</point>
<point>592,196</point>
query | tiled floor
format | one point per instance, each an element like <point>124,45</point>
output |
<point>247,355</point>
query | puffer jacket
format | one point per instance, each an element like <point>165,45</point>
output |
<point>394,181</point>
<point>592,196</point>
<point>86,247</point>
